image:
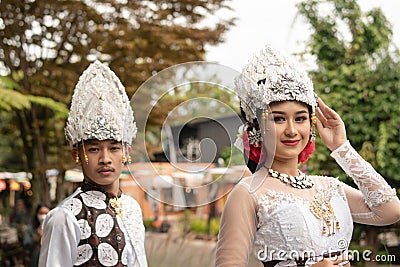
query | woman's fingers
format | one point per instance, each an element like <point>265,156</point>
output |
<point>321,118</point>
<point>327,111</point>
<point>320,125</point>
<point>328,117</point>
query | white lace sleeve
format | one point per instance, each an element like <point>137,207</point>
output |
<point>373,186</point>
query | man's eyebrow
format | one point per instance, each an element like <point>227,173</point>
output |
<point>92,142</point>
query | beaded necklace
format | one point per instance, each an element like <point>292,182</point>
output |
<point>319,206</point>
<point>301,181</point>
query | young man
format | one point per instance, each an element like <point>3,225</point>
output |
<point>97,225</point>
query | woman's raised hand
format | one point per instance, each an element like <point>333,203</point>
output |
<point>330,126</point>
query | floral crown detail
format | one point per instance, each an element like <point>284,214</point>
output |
<point>249,140</point>
<point>270,77</point>
<point>100,108</point>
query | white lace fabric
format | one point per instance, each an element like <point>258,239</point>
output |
<point>373,186</point>
<point>287,228</point>
<point>274,220</point>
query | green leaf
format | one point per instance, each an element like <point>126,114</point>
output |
<point>60,109</point>
<point>10,99</point>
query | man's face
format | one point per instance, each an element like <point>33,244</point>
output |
<point>104,162</point>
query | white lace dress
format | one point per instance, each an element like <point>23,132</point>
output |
<point>275,221</point>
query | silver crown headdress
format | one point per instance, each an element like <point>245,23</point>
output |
<point>271,77</point>
<point>100,108</point>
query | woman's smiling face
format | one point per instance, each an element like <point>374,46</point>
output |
<point>292,128</point>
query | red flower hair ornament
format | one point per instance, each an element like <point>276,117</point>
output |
<point>310,147</point>
<point>307,152</point>
<point>249,140</point>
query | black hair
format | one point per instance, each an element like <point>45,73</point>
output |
<point>36,222</point>
<point>250,125</point>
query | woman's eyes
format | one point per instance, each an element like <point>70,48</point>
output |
<point>115,148</point>
<point>301,118</point>
<point>93,149</point>
<point>279,119</point>
<point>298,119</point>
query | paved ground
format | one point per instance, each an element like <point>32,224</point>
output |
<point>174,250</point>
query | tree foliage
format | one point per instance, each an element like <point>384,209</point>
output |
<point>358,75</point>
<point>45,45</point>
<point>9,98</point>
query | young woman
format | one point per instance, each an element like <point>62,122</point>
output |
<point>33,233</point>
<point>284,216</point>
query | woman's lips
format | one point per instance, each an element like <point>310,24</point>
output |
<point>290,142</point>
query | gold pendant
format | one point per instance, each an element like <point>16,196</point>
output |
<point>116,203</point>
<point>323,210</point>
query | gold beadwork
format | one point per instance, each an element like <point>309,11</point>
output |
<point>86,158</point>
<point>313,132</point>
<point>84,153</point>
<point>313,118</point>
<point>264,121</point>
<point>77,158</point>
<point>323,210</point>
<point>116,203</point>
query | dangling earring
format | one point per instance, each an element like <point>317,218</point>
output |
<point>264,121</point>
<point>77,160</point>
<point>84,153</point>
<point>313,133</point>
<point>129,159</point>
<point>124,163</point>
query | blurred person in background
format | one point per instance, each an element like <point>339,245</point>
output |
<point>33,234</point>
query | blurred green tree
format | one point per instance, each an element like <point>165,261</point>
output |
<point>357,74</point>
<point>45,45</point>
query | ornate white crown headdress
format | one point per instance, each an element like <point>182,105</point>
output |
<point>100,108</point>
<point>271,77</point>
